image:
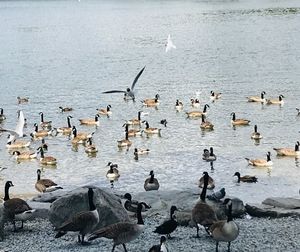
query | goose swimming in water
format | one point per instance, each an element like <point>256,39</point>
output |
<point>129,92</point>
<point>278,101</point>
<point>246,178</point>
<point>151,183</point>
<point>288,152</point>
<point>261,162</point>
<point>237,122</point>
<point>256,135</point>
<point>260,98</point>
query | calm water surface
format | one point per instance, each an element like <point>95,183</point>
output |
<point>65,53</point>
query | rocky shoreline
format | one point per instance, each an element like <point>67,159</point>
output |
<point>256,234</point>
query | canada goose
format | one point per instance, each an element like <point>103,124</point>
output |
<point>256,135</point>
<point>44,145</point>
<point>151,183</point>
<point>46,160</point>
<point>40,133</point>
<point>2,116</point>
<point>65,109</point>
<point>214,96</point>
<point>23,99</point>
<point>278,101</point>
<point>237,122</point>
<point>124,142</point>
<point>113,173</point>
<point>68,129</point>
<point>121,232</point>
<point>209,155</point>
<point>195,103</point>
<point>18,132</point>
<point>178,105</point>
<point>82,222</point>
<point>151,102</point>
<point>149,130</point>
<point>202,213</point>
<point>217,196</point>
<point>90,121</point>
<point>169,45</point>
<point>246,178</point>
<point>196,114</point>
<point>24,155</point>
<point>288,151</point>
<point>226,230</point>
<point>261,162</point>
<point>45,185</point>
<point>44,124</point>
<point>135,121</point>
<point>132,132</point>
<point>160,247</point>
<point>206,125</point>
<point>80,137</point>
<point>137,152</point>
<point>16,209</point>
<point>106,111</point>
<point>17,144</point>
<point>90,148</point>
<point>128,93</point>
<point>168,226</point>
<point>260,98</point>
<point>211,182</point>
<point>131,205</point>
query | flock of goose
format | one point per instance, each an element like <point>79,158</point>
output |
<point>202,214</point>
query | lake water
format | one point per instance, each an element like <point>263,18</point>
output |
<point>65,53</point>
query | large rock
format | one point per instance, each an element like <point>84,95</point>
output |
<point>263,210</point>
<point>108,205</point>
<point>286,203</point>
<point>1,222</point>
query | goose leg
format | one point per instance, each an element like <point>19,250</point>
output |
<point>197,231</point>
<point>124,247</point>
<point>14,223</point>
<point>228,246</point>
<point>217,246</point>
<point>79,240</point>
<point>113,249</point>
<point>22,225</point>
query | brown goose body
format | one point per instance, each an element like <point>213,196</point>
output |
<point>45,124</point>
<point>107,112</point>
<point>211,182</point>
<point>237,122</point>
<point>278,101</point>
<point>245,178</point>
<point>197,114</point>
<point>151,102</point>
<point>45,185</point>
<point>46,160</point>
<point>149,130</point>
<point>40,133</point>
<point>206,125</point>
<point>121,232</point>
<point>90,121</point>
<point>80,137</point>
<point>18,144</point>
<point>24,155</point>
<point>260,98</point>
<point>289,152</point>
<point>68,129</point>
<point>256,135</point>
<point>261,162</point>
<point>202,213</point>
<point>65,109</point>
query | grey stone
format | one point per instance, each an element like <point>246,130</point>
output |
<point>262,210</point>
<point>287,203</point>
<point>108,205</point>
<point>42,209</point>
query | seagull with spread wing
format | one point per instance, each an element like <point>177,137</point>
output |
<point>128,93</point>
<point>18,132</point>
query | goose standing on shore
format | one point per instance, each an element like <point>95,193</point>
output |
<point>160,247</point>
<point>121,232</point>
<point>226,230</point>
<point>168,226</point>
<point>45,185</point>
<point>202,213</point>
<point>151,183</point>
<point>83,222</point>
<point>16,209</point>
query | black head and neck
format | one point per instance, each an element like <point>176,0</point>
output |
<point>205,108</point>
<point>233,116</point>
<point>255,128</point>
<point>38,174</point>
<point>8,184</point>
<point>268,156</point>
<point>127,196</point>
<point>36,127</point>
<point>139,213</point>
<point>139,115</point>
<point>297,146</point>
<point>91,202</point>
<point>126,126</point>
<point>1,111</point>
<point>108,107</point>
<point>281,97</point>
<point>96,118</point>
<point>203,118</point>
<point>156,96</point>
<point>238,176</point>
<point>262,95</point>
<point>41,151</point>
<point>151,176</point>
<point>211,153</point>
<point>42,116</point>
<point>74,131</point>
<point>146,124</point>
<point>204,189</point>
<point>172,210</point>
<point>228,203</point>
<point>69,121</point>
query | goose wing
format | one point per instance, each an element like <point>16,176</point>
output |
<point>136,78</point>
<point>47,182</point>
<point>16,205</point>
<point>113,231</point>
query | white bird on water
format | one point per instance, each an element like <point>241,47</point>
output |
<point>169,44</point>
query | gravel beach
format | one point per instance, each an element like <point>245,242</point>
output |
<point>256,234</point>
